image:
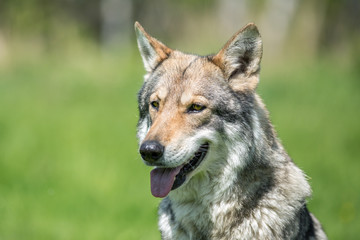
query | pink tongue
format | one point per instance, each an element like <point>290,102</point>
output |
<point>162,180</point>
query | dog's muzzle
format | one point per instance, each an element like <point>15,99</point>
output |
<point>165,179</point>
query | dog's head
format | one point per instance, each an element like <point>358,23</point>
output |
<point>187,100</point>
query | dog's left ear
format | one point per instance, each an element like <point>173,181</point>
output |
<point>152,51</point>
<point>240,58</point>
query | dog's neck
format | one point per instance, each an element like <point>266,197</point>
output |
<point>244,203</point>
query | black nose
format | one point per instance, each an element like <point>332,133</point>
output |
<point>151,151</point>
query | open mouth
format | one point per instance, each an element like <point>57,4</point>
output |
<point>163,180</point>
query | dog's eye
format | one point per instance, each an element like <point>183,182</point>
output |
<point>195,108</point>
<point>155,104</point>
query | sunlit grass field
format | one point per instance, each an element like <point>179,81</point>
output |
<point>69,167</point>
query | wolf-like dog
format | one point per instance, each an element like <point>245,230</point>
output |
<point>216,159</point>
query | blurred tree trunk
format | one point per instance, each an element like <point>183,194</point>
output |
<point>276,22</point>
<point>116,21</point>
<point>341,23</point>
<point>162,15</point>
<point>232,14</point>
<point>86,13</point>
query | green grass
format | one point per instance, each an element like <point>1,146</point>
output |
<point>69,167</point>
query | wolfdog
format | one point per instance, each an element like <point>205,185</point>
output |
<point>217,161</point>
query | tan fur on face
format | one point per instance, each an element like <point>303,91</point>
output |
<point>187,99</point>
<point>181,87</point>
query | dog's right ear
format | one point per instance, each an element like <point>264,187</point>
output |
<point>152,51</point>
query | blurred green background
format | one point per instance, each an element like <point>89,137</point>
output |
<point>69,75</point>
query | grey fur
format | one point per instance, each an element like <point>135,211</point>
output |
<point>247,187</point>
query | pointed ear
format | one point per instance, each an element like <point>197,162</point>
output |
<point>240,58</point>
<point>152,51</point>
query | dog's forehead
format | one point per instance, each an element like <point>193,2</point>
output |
<point>188,72</point>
